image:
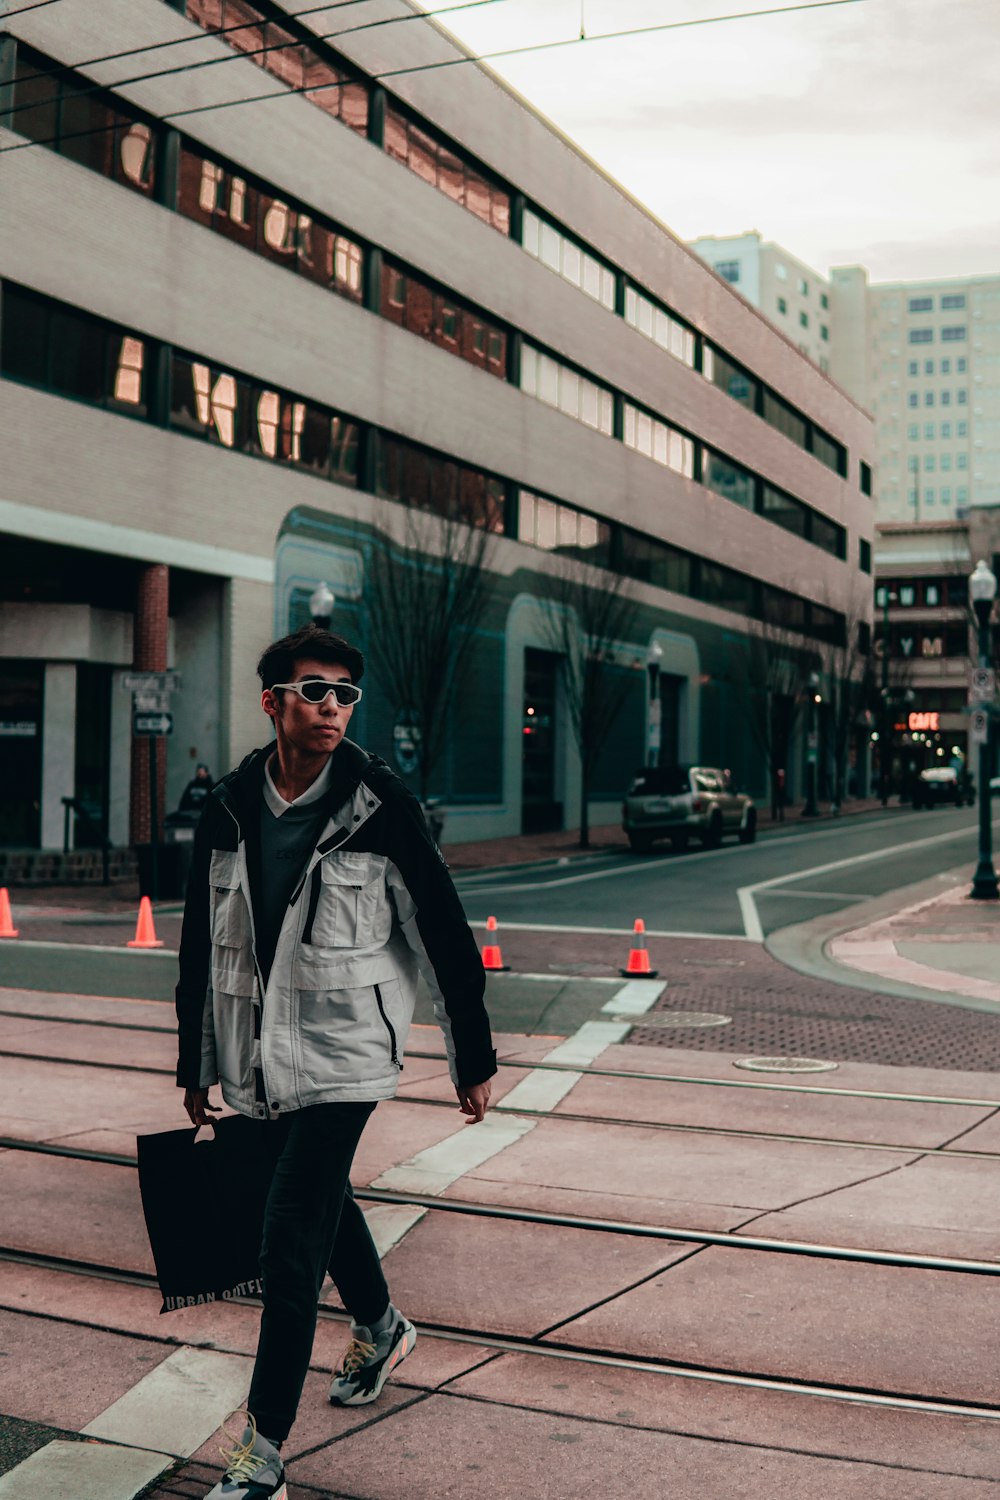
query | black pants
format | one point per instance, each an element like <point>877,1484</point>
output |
<point>311,1225</point>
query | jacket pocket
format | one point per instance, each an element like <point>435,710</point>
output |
<point>230,920</point>
<point>349,905</point>
<point>351,1035</point>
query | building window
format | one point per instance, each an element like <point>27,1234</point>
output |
<point>568,259</point>
<point>865,477</point>
<point>928,398</point>
<point>59,109</point>
<point>47,344</point>
<point>914,367</point>
<point>728,479</point>
<point>945,495</point>
<point>782,306</point>
<point>961,461</point>
<point>729,270</point>
<point>920,304</point>
<point>921,335</point>
<point>928,367</point>
<point>287,55</point>
<point>829,452</point>
<point>946,461</point>
<point>960,364</point>
<point>442,319</point>
<point>561,386</point>
<point>654,321</point>
<point>803,287</point>
<point>434,482</point>
<point>946,429</point>
<point>864,555</point>
<point>824,333</point>
<point>961,429</point>
<point>654,439</point>
<point>952,301</point>
<point>561,528</point>
<point>803,320</point>
<point>952,335</point>
<point>430,156</point>
<point>913,432</point>
<point>824,300</point>
<point>946,367</point>
<point>780,271</point>
<point>913,399</point>
<point>929,463</point>
<point>729,377</point>
<point>961,494</point>
<point>962,397</point>
<point>946,398</point>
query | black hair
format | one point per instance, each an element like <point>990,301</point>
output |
<point>277,663</point>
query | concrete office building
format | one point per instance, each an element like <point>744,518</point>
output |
<point>787,291</point>
<point>239,339</point>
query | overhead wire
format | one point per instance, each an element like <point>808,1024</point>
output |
<point>226,31</point>
<point>463,59</point>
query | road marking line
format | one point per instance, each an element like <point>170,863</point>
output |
<point>177,1406</point>
<point>62,1470</point>
<point>388,1223</point>
<point>587,1044</point>
<point>540,1092</point>
<point>636,997</point>
<point>434,1170</point>
<point>746,893</point>
<point>623,932</point>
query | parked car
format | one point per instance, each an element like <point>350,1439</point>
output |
<point>943,784</point>
<point>681,802</point>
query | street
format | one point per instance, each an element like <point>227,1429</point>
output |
<point>790,874</point>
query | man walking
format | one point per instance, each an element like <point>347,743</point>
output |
<point>315,896</point>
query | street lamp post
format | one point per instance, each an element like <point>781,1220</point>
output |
<point>654,733</point>
<point>982,592</point>
<point>812,748</point>
<point>321,602</point>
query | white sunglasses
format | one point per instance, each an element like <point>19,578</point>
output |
<point>315,690</point>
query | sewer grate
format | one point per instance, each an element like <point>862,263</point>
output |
<point>678,1018</point>
<point>785,1065</point>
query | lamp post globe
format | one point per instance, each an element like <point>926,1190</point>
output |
<point>982,593</point>
<point>321,602</point>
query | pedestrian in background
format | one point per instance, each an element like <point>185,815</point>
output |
<point>316,893</point>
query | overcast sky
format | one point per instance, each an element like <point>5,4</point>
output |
<point>864,133</point>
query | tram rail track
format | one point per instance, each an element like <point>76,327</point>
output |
<point>723,1239</point>
<point>667,1126</point>
<point>543,1345</point>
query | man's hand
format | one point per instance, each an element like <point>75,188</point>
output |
<point>474,1101</point>
<point>197,1106</point>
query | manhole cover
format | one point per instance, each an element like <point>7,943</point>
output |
<point>678,1018</point>
<point>785,1065</point>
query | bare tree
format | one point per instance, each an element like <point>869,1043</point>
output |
<point>426,592</point>
<point>771,671</point>
<point>589,615</point>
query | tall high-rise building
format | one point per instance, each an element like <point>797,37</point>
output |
<point>787,291</point>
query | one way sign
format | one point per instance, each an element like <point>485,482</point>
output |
<point>152,724</point>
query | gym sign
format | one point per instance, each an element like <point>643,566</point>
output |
<point>925,723</point>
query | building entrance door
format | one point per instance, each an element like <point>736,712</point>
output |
<point>20,754</point>
<point>540,812</point>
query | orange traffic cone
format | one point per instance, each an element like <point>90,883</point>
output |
<point>7,928</point>
<point>145,932</point>
<point>492,957</point>
<point>638,955</point>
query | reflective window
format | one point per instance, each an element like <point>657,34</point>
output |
<point>659,441</point>
<point>437,161</point>
<point>728,479</point>
<point>558,385</point>
<point>651,561</point>
<point>829,451</point>
<point>323,79</point>
<point>46,343</point>
<point>952,301</point>
<point>253,216</point>
<point>952,335</point>
<point>730,377</point>
<point>431,481</point>
<point>442,319</point>
<point>653,320</point>
<point>568,258</point>
<point>65,113</point>
<point>786,419</point>
<point>729,270</point>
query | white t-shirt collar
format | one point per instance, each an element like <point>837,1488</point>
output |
<point>276,802</point>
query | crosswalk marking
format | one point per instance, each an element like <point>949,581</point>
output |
<point>177,1406</point>
<point>636,997</point>
<point>82,1471</point>
<point>435,1169</point>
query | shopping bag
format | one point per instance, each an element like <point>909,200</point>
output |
<point>204,1206</point>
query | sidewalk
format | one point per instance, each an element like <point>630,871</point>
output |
<point>947,943</point>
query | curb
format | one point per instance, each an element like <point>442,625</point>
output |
<point>803,947</point>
